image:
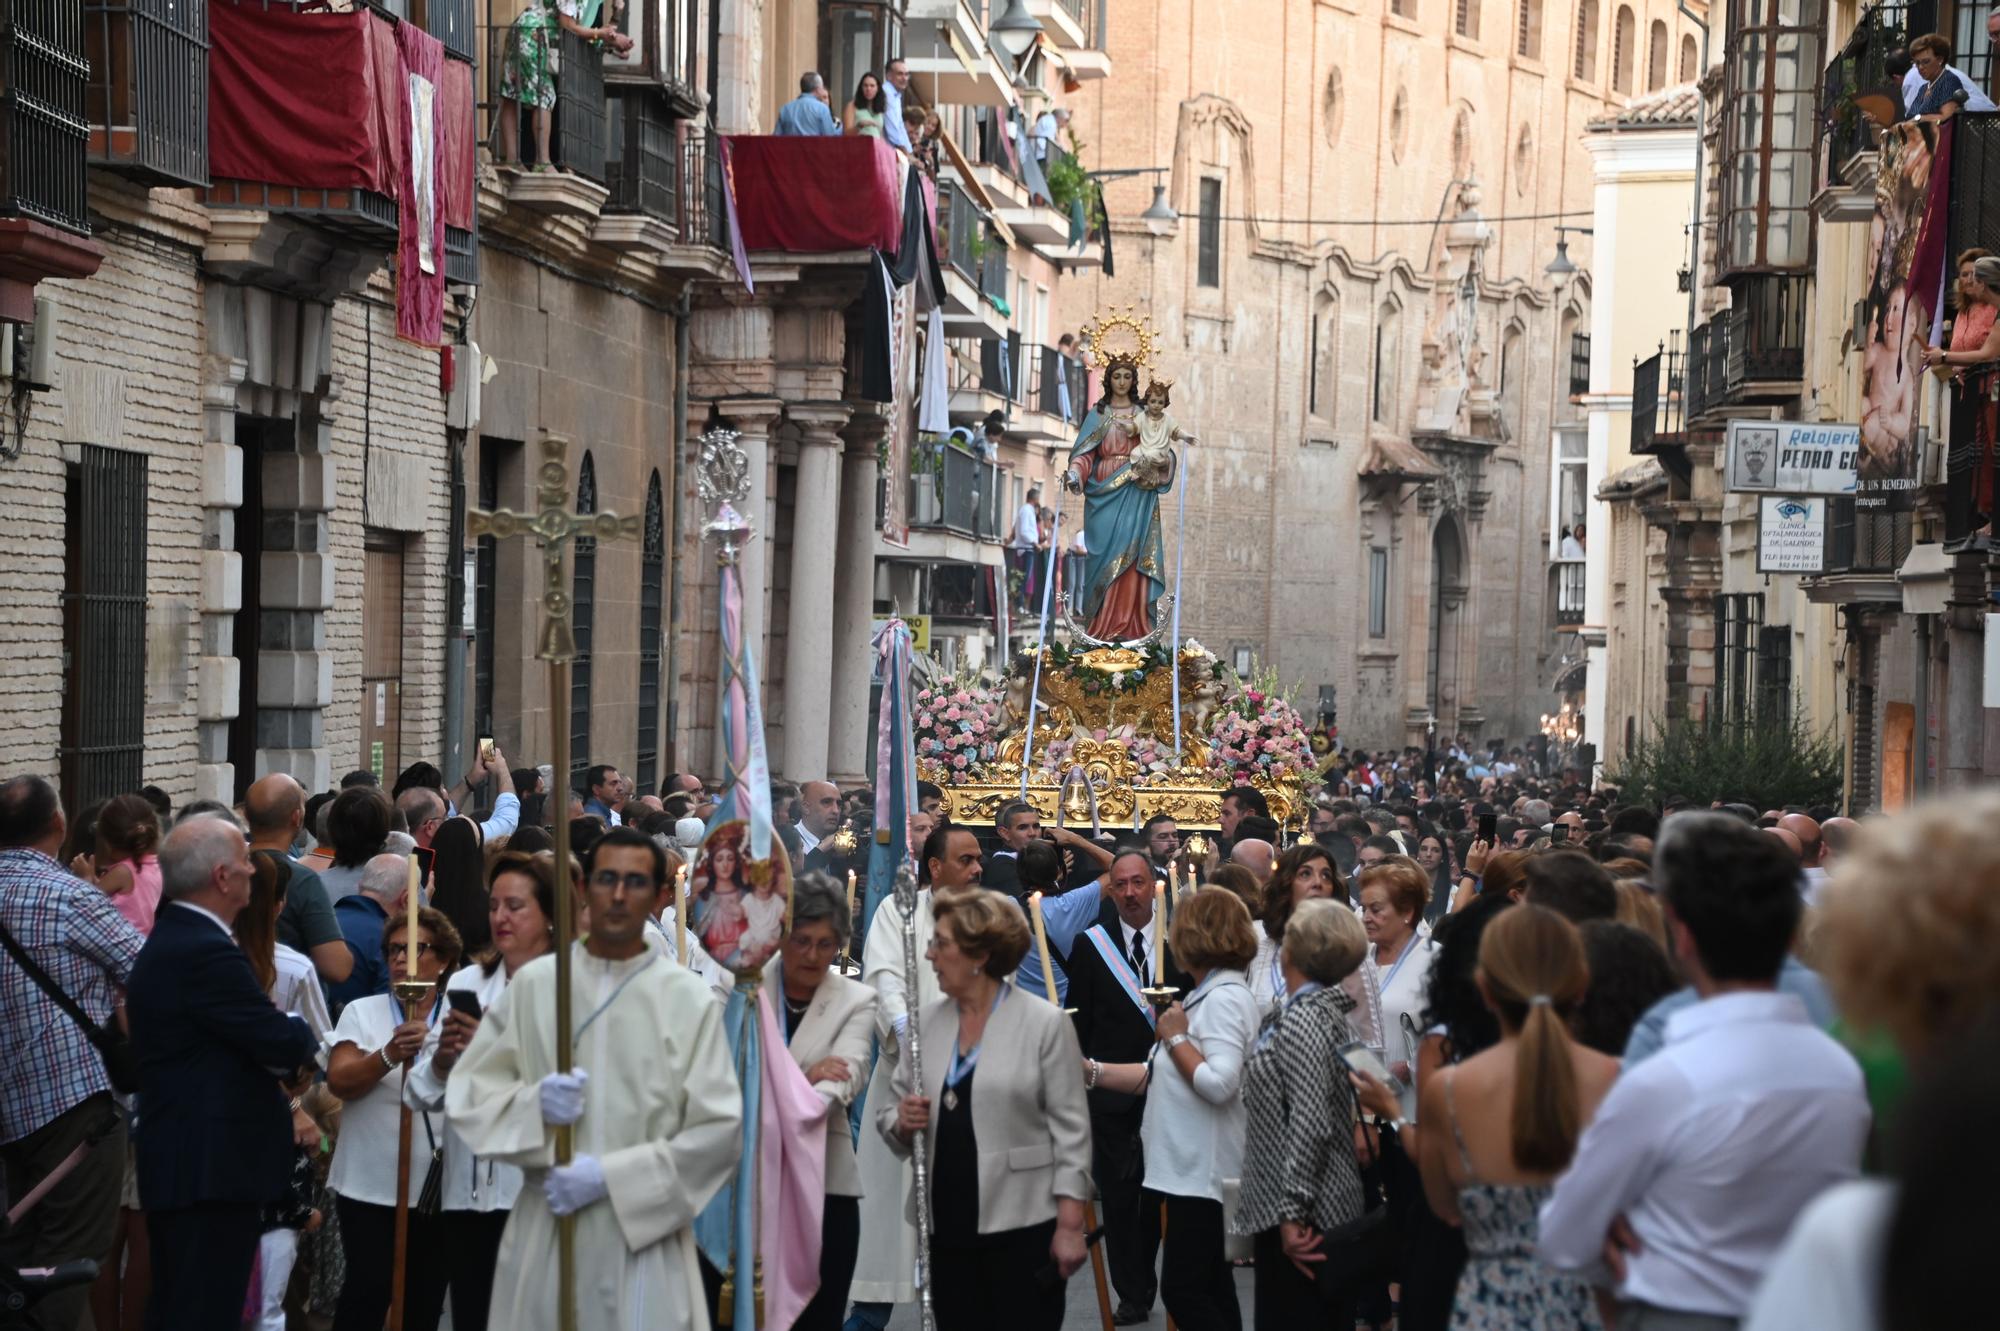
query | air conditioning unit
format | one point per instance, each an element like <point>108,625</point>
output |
<point>28,351</point>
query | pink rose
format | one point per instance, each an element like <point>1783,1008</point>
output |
<point>959,762</point>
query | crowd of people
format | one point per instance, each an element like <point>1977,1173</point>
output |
<point>1469,1047</point>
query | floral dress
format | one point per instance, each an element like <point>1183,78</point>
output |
<point>528,66</point>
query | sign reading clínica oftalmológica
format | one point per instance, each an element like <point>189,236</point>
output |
<point>1791,534</point>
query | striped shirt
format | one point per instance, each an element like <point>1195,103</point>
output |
<point>75,933</point>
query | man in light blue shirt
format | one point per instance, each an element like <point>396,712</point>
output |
<point>892,105</point>
<point>807,115</point>
<point>1794,977</point>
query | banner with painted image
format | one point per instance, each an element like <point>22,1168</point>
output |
<point>1905,292</point>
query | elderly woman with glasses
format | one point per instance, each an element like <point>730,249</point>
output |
<point>829,1023</point>
<point>371,1044</point>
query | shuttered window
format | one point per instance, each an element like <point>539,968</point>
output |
<point>103,730</point>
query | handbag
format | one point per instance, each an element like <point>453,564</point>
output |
<point>1365,1250</point>
<point>121,1063</point>
<point>1235,1247</point>
<point>430,1200</point>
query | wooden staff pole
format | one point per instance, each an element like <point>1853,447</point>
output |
<point>565,936</point>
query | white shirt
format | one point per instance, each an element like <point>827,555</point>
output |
<point>1828,1276</point>
<point>296,990</point>
<point>470,1183</point>
<point>1812,883</point>
<point>1126,934</point>
<point>808,843</point>
<point>1027,528</point>
<point>210,915</point>
<point>1404,986</point>
<point>1710,1150</point>
<point>1571,548</point>
<point>1193,1131</point>
<point>364,1163</point>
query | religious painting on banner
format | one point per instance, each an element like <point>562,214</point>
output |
<point>1897,311</point>
<point>738,903</point>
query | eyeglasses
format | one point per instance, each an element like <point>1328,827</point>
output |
<point>610,879</point>
<point>401,951</point>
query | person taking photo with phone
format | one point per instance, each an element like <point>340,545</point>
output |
<point>478,1193</point>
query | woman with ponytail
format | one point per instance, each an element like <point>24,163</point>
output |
<point>1512,1115</point>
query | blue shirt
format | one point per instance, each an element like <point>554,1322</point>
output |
<point>362,919</point>
<point>892,121</point>
<point>804,116</point>
<point>1794,977</point>
<point>1065,917</point>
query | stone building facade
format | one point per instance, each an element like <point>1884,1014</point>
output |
<point>1355,309</point>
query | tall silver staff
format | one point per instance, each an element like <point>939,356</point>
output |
<point>906,902</point>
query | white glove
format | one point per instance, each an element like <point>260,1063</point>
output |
<point>562,1097</point>
<point>573,1186</point>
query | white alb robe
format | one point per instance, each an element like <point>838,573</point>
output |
<point>885,1268</point>
<point>662,1114</point>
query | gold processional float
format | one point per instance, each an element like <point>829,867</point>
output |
<point>1104,746</point>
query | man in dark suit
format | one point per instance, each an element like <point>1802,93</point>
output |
<point>1108,966</point>
<point>1018,824</point>
<point>215,1134</point>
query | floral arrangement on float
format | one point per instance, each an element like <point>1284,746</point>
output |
<point>954,724</point>
<point>1258,733</point>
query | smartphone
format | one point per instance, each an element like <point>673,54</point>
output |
<point>1358,1057</point>
<point>486,748</point>
<point>1489,827</point>
<point>1559,833</point>
<point>463,1000</point>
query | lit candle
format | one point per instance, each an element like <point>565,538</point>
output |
<point>410,941</point>
<point>1042,945</point>
<point>681,911</point>
<point>850,902</point>
<point>1159,953</point>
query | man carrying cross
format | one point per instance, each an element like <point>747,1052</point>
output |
<point>657,1118</point>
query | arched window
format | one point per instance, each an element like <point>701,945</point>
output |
<point>652,585</point>
<point>583,604</point>
<point>1624,43</point>
<point>1322,395</point>
<point>1384,408</point>
<point>1528,39</point>
<point>1467,22</point>
<point>1585,67</point>
<point>1690,60</point>
<point>1656,57</point>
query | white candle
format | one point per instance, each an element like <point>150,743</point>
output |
<point>681,911</point>
<point>410,941</point>
<point>1159,953</point>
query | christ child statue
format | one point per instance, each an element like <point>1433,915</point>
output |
<point>1153,459</point>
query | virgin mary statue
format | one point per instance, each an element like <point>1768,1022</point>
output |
<point>1125,570</point>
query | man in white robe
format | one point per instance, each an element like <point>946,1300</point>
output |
<point>885,1269</point>
<point>657,1115</point>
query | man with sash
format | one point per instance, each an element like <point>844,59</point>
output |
<point>1108,967</point>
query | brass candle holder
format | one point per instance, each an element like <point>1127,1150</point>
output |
<point>414,996</point>
<point>1160,996</point>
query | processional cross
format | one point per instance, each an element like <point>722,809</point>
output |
<point>553,528</point>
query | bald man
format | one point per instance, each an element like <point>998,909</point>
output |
<point>1785,839</point>
<point>276,809</point>
<point>1812,852</point>
<point>1836,835</point>
<point>819,816</point>
<point>1255,856</point>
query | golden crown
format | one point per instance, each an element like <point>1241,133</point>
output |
<point>1119,335</point>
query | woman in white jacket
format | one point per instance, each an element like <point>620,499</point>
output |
<point>1193,1129</point>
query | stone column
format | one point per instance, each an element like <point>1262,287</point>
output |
<point>854,602</point>
<point>816,551</point>
<point>753,419</point>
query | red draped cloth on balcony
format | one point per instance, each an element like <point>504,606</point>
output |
<point>816,195</point>
<point>321,100</point>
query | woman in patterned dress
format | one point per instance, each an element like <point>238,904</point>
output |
<point>1510,1118</point>
<point>528,68</point>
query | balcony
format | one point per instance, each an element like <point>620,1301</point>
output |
<point>578,131</point>
<point>1855,83</point>
<point>1053,389</point>
<point>147,100</point>
<point>815,196</point>
<point>1036,220</point>
<point>1971,396</point>
<point>1861,541</point>
<point>1579,365</point>
<point>453,22</point>
<point>44,207</point>
<point>1766,358</point>
<point>1077,30</point>
<point>1566,591</point>
<point>1975,183</point>
<point>1657,402</point>
<point>665,187</point>
<point>313,210</point>
<point>953,491</point>
<point>950,59</point>
<point>992,386</point>
<point>995,163</point>
<point>1706,387</point>
<point>963,239</point>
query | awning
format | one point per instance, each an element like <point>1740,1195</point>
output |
<point>1397,459</point>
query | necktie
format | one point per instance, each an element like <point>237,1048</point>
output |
<point>1139,956</point>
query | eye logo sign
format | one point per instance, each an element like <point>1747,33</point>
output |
<point>1793,513</point>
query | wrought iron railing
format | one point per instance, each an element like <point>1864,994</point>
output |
<point>453,22</point>
<point>147,98</point>
<point>990,146</point>
<point>1767,330</point>
<point>44,70</point>
<point>704,201</point>
<point>1579,364</point>
<point>1569,580</point>
<point>964,230</point>
<point>1970,450</point>
<point>1000,366</point>
<point>578,136</point>
<point>951,490</point>
<point>1705,385</point>
<point>642,165</point>
<point>1865,540</point>
<point>993,278</point>
<point>1861,67</point>
<point>1975,182</point>
<point>1052,373</point>
<point>1657,400</point>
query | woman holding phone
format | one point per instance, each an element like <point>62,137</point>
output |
<point>479,1194</point>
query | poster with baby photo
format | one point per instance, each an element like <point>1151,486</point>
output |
<point>739,905</point>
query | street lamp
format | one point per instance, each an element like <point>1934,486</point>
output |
<point>1560,269</point>
<point>1016,29</point>
<point>1160,217</point>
